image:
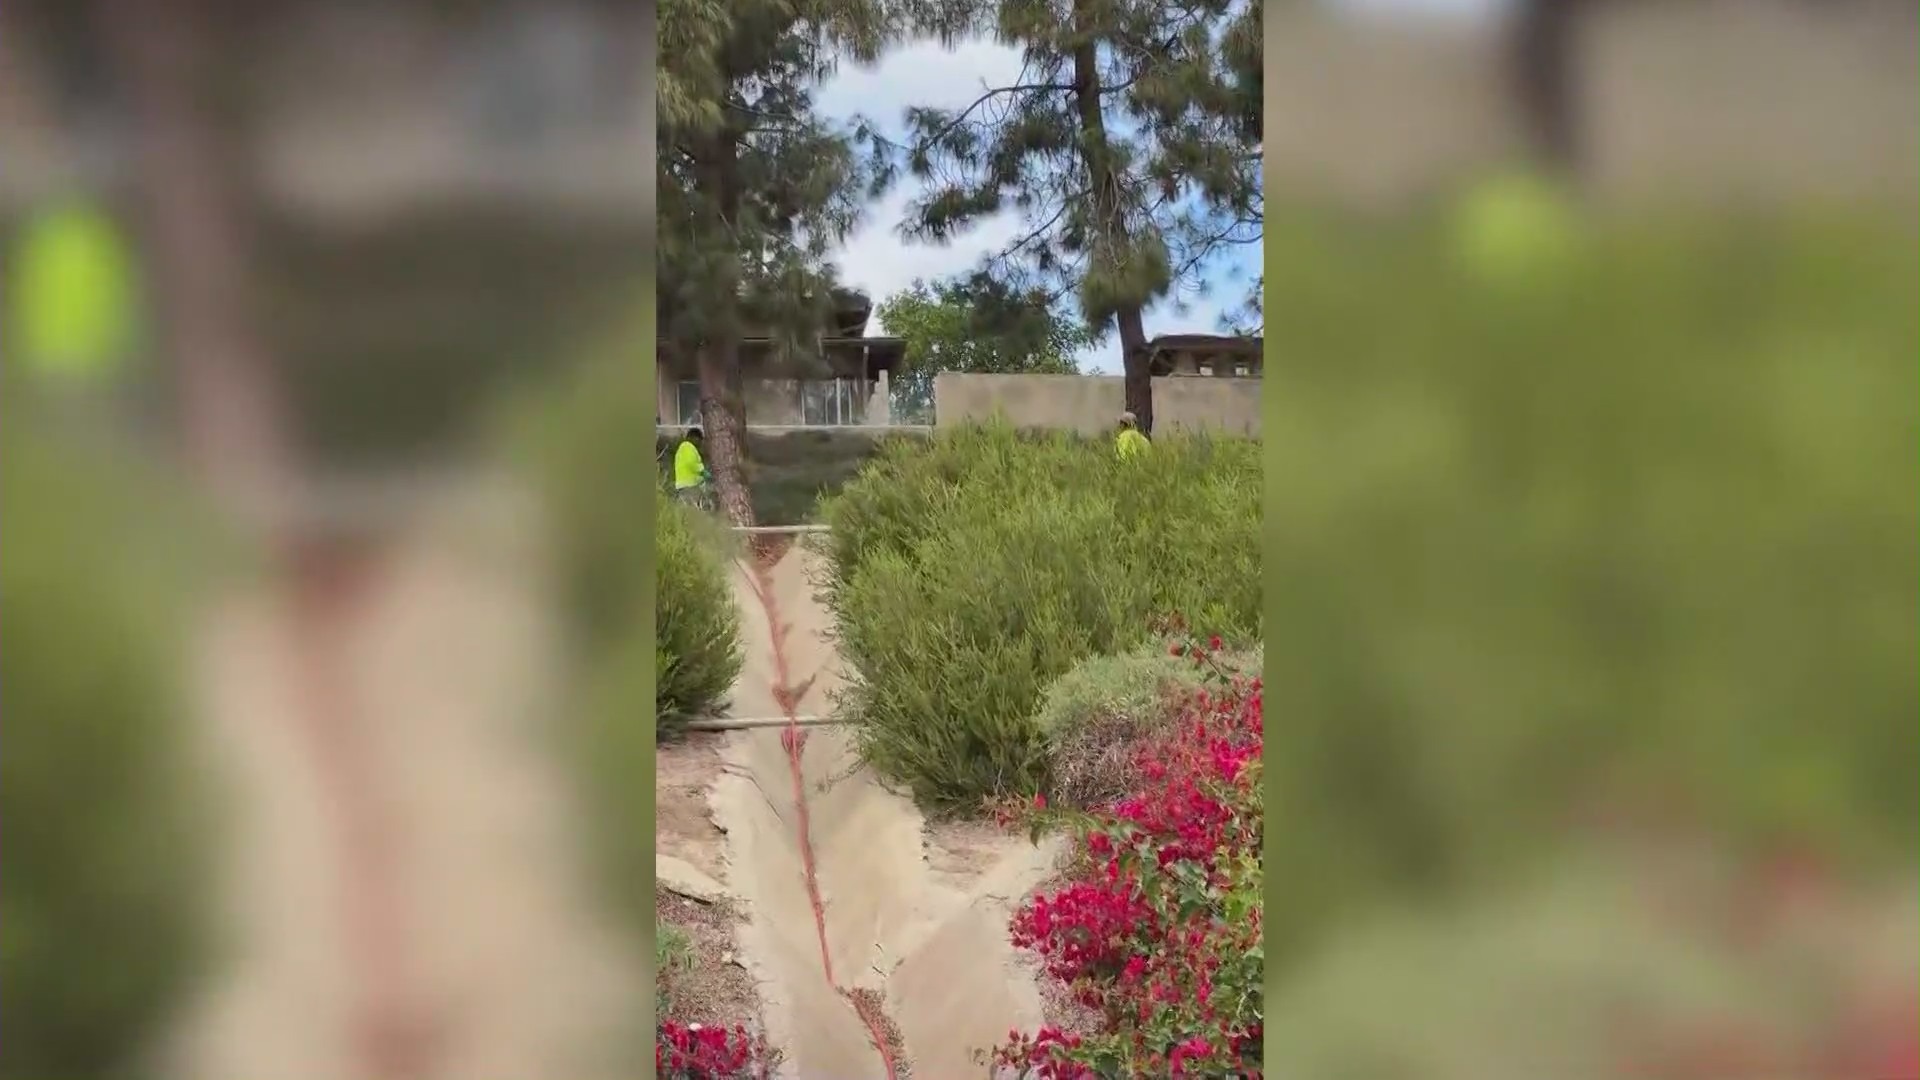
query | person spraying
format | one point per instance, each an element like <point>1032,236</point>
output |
<point>1130,442</point>
<point>70,324</point>
<point>690,477</point>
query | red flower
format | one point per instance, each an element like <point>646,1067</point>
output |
<point>1140,937</point>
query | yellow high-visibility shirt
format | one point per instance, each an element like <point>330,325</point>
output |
<point>688,468</point>
<point>1130,444</point>
<point>71,298</point>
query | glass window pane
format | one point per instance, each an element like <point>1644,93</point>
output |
<point>689,403</point>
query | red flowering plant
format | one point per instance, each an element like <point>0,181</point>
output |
<point>1157,931</point>
<point>694,1052</point>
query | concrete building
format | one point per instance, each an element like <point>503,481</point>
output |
<point>1219,356</point>
<point>847,387</point>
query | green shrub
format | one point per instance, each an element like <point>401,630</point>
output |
<point>587,440</point>
<point>696,629</point>
<point>101,928</point>
<point>1643,543</point>
<point>1094,716</point>
<point>969,570</point>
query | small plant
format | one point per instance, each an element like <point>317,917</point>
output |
<point>672,957</point>
<point>1094,716</point>
<point>1158,930</point>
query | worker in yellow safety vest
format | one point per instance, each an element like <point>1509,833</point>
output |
<point>1130,442</point>
<point>68,334</point>
<point>71,297</point>
<point>690,476</point>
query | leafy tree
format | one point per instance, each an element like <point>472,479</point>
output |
<point>1129,145</point>
<point>976,324</point>
<point>756,188</point>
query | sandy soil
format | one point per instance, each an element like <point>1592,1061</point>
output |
<point>684,773</point>
<point>497,965</point>
<point>689,865</point>
<point>929,939</point>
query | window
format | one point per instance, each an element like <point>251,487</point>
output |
<point>688,394</point>
<point>832,403</point>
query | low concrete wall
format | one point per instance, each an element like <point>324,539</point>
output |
<point>1090,403</point>
<point>1767,101</point>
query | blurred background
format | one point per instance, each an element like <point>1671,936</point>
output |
<point>291,293</point>
<point>1591,406</point>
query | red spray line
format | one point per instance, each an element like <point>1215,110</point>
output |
<point>389,1042</point>
<point>793,739</point>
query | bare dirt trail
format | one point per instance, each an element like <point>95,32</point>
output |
<point>495,963</point>
<point>931,944</point>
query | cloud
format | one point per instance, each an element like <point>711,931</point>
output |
<point>921,73</point>
<point>876,258</point>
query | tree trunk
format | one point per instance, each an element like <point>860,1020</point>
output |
<point>1139,376</point>
<point>1545,80</point>
<point>1112,215</point>
<point>722,400</point>
<point>721,413</point>
<point>194,209</point>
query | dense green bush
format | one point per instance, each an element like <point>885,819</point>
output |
<point>101,930</point>
<point>586,440</point>
<point>1094,716</point>
<point>970,569</point>
<point>1637,538</point>
<point>696,629</point>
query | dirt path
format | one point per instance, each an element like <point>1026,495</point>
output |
<point>494,964</point>
<point>929,943</point>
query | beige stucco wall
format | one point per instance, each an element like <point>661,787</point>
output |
<point>1760,100</point>
<point>1089,403</point>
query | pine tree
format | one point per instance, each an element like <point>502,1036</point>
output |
<point>1545,81</point>
<point>1129,145</point>
<point>756,189</point>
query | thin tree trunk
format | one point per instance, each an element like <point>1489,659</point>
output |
<point>722,400</point>
<point>1138,383</point>
<point>1546,80</point>
<point>721,413</point>
<point>194,210</point>
<point>1101,174</point>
